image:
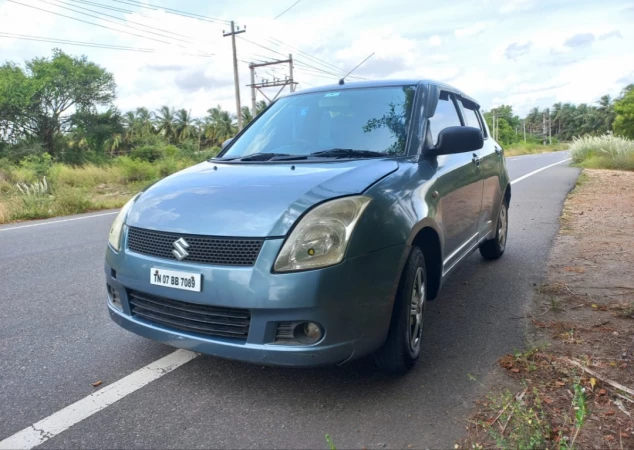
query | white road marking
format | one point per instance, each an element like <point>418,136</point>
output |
<point>58,221</point>
<point>65,418</point>
<point>538,170</point>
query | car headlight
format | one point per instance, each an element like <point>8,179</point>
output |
<point>117,226</point>
<point>321,237</point>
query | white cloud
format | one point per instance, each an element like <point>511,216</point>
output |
<point>471,30</point>
<point>434,41</point>
<point>516,5</point>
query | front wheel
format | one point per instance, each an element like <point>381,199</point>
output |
<point>402,346</point>
<point>494,248</point>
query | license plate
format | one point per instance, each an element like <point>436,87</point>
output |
<point>176,279</point>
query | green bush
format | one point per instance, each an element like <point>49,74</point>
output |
<point>147,153</point>
<point>603,152</point>
<point>71,201</point>
<point>38,164</point>
<point>171,151</point>
<point>84,176</point>
<point>136,169</point>
<point>34,207</point>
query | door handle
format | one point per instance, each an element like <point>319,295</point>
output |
<point>476,159</point>
<point>498,151</point>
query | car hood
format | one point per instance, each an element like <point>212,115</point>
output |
<point>249,200</point>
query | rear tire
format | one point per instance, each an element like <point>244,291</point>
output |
<point>401,349</point>
<point>494,248</point>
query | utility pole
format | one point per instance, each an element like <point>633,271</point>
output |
<point>288,81</point>
<point>290,71</point>
<point>550,137</point>
<point>253,107</point>
<point>235,69</point>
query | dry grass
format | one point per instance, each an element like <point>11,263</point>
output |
<point>530,149</point>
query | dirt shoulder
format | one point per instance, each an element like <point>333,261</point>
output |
<point>574,385</point>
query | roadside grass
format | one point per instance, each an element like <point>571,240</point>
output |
<point>79,189</point>
<point>549,412</point>
<point>530,148</point>
<point>578,384</point>
<point>603,152</point>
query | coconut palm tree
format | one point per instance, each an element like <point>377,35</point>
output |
<point>260,106</point>
<point>164,122</point>
<point>220,125</point>
<point>145,119</point>
<point>246,115</point>
<point>183,125</point>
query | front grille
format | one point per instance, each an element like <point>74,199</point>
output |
<point>191,317</point>
<point>202,249</point>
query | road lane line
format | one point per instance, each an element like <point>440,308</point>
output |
<point>538,170</point>
<point>58,221</point>
<point>65,418</point>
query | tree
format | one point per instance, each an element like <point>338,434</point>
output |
<point>164,122</point>
<point>38,101</point>
<point>183,125</point>
<point>220,125</point>
<point>624,109</point>
<point>260,106</point>
<point>91,130</point>
<point>246,115</point>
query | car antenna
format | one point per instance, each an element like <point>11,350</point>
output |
<point>341,82</point>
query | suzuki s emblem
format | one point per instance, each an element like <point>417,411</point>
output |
<point>180,249</point>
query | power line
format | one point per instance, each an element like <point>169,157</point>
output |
<point>307,55</point>
<point>86,44</point>
<point>189,41</point>
<point>111,8</point>
<point>286,10</point>
<point>125,11</point>
<point>296,60</point>
<point>174,11</point>
<point>98,25</point>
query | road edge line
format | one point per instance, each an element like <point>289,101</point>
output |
<point>58,221</point>
<point>537,171</point>
<point>72,414</point>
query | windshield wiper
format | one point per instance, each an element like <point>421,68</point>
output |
<point>262,156</point>
<point>347,153</point>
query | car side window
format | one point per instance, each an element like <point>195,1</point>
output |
<point>445,116</point>
<point>470,115</point>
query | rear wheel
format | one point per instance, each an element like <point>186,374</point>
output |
<point>402,346</point>
<point>494,248</point>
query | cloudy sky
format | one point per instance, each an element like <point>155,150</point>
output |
<point>520,52</point>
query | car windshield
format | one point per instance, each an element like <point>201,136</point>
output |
<point>369,122</point>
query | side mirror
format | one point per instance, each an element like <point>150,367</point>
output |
<point>227,142</point>
<point>458,140</point>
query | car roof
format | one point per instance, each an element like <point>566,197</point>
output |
<point>384,83</point>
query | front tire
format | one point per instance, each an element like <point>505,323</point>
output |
<point>401,349</point>
<point>494,248</point>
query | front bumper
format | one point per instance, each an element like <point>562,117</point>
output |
<point>352,301</point>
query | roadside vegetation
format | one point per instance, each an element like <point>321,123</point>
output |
<point>574,385</point>
<point>65,147</point>
<point>528,148</point>
<point>603,152</point>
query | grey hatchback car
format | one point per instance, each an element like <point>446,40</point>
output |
<point>319,233</point>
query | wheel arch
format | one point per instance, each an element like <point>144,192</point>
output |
<point>428,240</point>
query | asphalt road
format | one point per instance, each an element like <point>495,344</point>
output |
<point>56,339</point>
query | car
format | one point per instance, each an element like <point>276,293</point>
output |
<point>319,233</point>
